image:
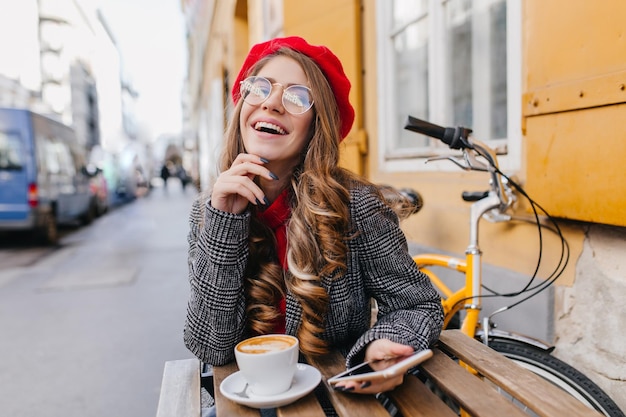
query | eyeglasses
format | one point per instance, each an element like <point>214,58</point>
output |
<point>296,99</point>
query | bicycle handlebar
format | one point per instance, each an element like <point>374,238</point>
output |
<point>459,138</point>
<point>454,137</point>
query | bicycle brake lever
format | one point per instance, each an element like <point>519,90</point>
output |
<point>473,163</point>
<point>451,159</point>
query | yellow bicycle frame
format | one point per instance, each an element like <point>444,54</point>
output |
<point>466,296</point>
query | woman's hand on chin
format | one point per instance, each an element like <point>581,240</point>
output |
<point>235,188</point>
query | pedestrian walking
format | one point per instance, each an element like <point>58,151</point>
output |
<point>165,174</point>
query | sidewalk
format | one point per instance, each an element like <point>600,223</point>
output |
<point>86,330</point>
<point>143,228</point>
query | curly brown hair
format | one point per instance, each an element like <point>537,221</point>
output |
<point>318,228</point>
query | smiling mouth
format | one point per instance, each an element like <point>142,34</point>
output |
<point>269,128</point>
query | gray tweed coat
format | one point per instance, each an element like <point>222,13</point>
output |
<point>378,266</point>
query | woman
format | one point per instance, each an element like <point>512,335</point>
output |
<point>287,241</point>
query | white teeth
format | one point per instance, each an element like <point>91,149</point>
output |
<point>270,126</point>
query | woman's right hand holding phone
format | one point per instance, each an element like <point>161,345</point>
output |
<point>381,354</point>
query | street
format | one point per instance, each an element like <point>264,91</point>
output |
<point>85,328</point>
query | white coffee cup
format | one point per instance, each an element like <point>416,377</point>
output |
<point>268,362</point>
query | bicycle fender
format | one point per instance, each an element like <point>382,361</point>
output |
<point>496,334</point>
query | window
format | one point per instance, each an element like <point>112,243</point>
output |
<point>11,152</point>
<point>59,160</point>
<point>51,156</point>
<point>451,62</point>
<point>65,159</point>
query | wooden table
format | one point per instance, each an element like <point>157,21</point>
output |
<point>473,392</point>
<point>358,405</point>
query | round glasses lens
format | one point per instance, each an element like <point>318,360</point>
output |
<point>297,99</point>
<point>255,90</point>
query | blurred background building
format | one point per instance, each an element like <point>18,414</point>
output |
<point>61,59</point>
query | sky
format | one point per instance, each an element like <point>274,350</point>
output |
<point>151,37</point>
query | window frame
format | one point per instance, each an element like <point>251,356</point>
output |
<point>413,160</point>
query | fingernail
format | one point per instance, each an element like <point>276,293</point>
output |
<point>366,384</point>
<point>267,202</point>
<point>274,177</point>
<point>265,161</point>
<point>258,203</point>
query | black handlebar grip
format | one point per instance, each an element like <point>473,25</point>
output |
<point>454,137</point>
<point>425,128</point>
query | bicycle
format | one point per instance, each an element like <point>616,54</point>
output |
<point>496,205</point>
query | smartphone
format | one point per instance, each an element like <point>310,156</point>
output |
<point>364,372</point>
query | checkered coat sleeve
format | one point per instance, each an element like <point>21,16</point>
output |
<point>379,266</point>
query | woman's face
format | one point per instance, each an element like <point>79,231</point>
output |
<point>267,129</point>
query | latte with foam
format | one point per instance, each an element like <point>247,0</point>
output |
<point>268,362</point>
<point>266,344</point>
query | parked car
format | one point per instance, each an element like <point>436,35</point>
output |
<point>43,178</point>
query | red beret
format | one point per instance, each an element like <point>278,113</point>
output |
<point>323,57</point>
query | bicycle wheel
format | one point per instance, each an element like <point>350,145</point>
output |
<point>560,374</point>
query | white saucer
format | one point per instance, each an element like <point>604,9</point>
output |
<point>305,380</point>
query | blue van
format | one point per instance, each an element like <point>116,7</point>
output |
<point>43,178</point>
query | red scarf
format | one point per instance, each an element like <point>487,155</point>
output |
<point>276,217</point>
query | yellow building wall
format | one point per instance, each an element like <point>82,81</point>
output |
<point>336,24</point>
<point>573,107</point>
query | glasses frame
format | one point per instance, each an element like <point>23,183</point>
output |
<point>271,84</point>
